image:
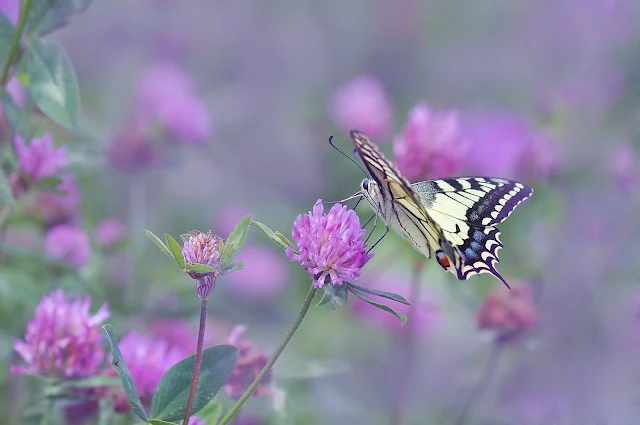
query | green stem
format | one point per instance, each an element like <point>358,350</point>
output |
<point>198,362</point>
<point>287,337</point>
<point>48,413</point>
<point>482,385</point>
<point>25,5</point>
<point>408,345</point>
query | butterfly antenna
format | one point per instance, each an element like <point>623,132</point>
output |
<point>348,157</point>
<point>354,196</point>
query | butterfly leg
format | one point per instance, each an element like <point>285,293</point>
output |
<point>375,224</point>
<point>378,241</point>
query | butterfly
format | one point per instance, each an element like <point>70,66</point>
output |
<point>455,218</point>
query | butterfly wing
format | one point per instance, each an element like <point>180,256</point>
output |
<point>467,210</point>
<point>397,203</point>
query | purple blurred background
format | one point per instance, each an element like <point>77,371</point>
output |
<point>247,95</point>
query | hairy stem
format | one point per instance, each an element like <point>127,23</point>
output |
<point>287,337</point>
<point>483,384</point>
<point>408,345</point>
<point>196,366</point>
<point>25,5</point>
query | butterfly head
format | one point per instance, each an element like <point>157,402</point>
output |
<point>371,191</point>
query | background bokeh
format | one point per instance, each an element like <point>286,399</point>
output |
<point>545,92</point>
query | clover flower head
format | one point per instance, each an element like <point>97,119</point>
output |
<point>251,360</point>
<point>39,158</point>
<point>330,246</point>
<point>63,338</point>
<point>69,244</point>
<point>431,144</point>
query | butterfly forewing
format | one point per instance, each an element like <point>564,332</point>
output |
<point>455,217</point>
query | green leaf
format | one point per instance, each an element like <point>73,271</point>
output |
<point>333,294</point>
<point>176,250</point>
<point>49,184</point>
<point>225,249</point>
<point>125,376</point>
<point>46,16</point>
<point>10,109</point>
<point>284,239</point>
<point>94,381</point>
<point>6,195</point>
<point>159,243</point>
<point>159,422</point>
<point>311,368</point>
<point>6,36</point>
<point>363,297</point>
<point>270,234</point>
<point>199,268</point>
<point>170,399</point>
<point>236,238</point>
<point>52,82</point>
<point>211,413</point>
<point>382,294</point>
<point>232,268</point>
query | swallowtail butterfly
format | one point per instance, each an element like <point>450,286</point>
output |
<point>455,217</point>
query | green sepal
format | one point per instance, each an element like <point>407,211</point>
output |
<point>333,294</point>
<point>232,268</point>
<point>159,243</point>
<point>272,235</point>
<point>199,268</point>
<point>176,250</point>
<point>236,238</point>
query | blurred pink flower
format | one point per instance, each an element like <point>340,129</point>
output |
<point>229,216</point>
<point>68,244</point>
<point>131,149</point>
<point>167,96</point>
<point>363,104</point>
<point>589,95</point>
<point>625,168</point>
<point>110,231</point>
<point>431,144</point>
<point>63,339</point>
<point>179,333</point>
<point>59,208</point>
<point>330,246</point>
<point>10,8</point>
<point>265,273</point>
<point>147,359</point>
<point>425,309</point>
<point>251,360</point>
<point>504,144</point>
<point>39,158</point>
<point>202,248</point>
<point>194,420</point>
<point>508,312</point>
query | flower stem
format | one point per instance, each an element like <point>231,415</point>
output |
<point>482,385</point>
<point>196,366</point>
<point>25,5</point>
<point>408,342</point>
<point>287,337</point>
<point>46,417</point>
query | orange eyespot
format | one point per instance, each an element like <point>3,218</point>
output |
<point>443,260</point>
